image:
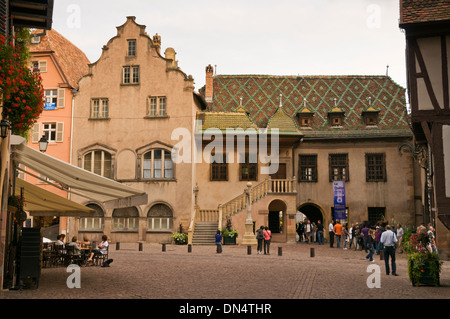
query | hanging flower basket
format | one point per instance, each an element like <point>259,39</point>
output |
<point>21,90</point>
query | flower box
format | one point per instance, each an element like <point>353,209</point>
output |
<point>227,240</point>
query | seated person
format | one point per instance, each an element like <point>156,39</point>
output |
<point>85,243</point>
<point>101,249</point>
<point>76,248</point>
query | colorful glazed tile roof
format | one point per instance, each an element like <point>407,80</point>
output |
<point>416,11</point>
<point>259,95</point>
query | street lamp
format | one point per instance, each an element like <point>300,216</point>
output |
<point>43,143</point>
<point>4,127</point>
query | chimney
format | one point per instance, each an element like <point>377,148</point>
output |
<point>209,83</point>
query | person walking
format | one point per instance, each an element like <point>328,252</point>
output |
<point>260,239</point>
<point>338,233</point>
<point>365,233</point>
<point>319,232</point>
<point>300,232</point>
<point>370,247</point>
<point>351,234</point>
<point>432,245</point>
<point>331,233</point>
<point>400,234</point>
<point>377,240</point>
<point>389,239</point>
<point>308,231</point>
<point>344,236</point>
<point>267,237</point>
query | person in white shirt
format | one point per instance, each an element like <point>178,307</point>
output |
<point>389,239</point>
<point>331,232</point>
<point>102,248</point>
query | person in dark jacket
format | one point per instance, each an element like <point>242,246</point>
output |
<point>369,245</point>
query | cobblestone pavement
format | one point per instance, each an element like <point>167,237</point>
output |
<point>203,274</point>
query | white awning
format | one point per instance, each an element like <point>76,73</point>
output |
<point>77,180</point>
<point>40,202</point>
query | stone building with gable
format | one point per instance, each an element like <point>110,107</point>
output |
<point>126,108</point>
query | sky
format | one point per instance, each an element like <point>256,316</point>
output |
<point>283,37</point>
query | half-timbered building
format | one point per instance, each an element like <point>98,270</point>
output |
<point>427,31</point>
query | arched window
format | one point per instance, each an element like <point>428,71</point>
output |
<point>160,218</point>
<point>157,165</point>
<point>98,162</point>
<point>95,222</point>
<point>126,219</point>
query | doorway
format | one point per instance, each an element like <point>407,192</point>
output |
<point>312,213</point>
<point>277,220</point>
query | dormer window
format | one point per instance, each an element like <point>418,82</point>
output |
<point>370,116</point>
<point>305,122</point>
<point>336,116</point>
<point>305,117</point>
<point>336,121</point>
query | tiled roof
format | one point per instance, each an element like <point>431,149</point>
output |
<point>225,120</point>
<point>416,11</point>
<point>73,61</point>
<point>259,95</point>
<point>283,122</point>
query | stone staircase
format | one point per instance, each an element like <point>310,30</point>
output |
<point>204,233</point>
<point>206,222</point>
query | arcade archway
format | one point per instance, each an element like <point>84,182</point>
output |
<point>277,220</point>
<point>312,212</point>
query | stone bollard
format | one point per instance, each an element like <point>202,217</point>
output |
<point>163,247</point>
<point>140,246</point>
<point>189,248</point>
<point>312,253</point>
<point>117,246</point>
<point>280,251</point>
<point>381,255</point>
<point>249,250</point>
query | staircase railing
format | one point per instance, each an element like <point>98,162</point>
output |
<point>239,203</point>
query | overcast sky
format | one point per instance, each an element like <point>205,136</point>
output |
<point>282,37</point>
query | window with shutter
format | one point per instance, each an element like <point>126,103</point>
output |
<point>42,66</point>
<point>61,97</point>
<point>59,132</point>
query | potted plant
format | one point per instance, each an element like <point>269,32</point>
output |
<point>424,266</point>
<point>180,238</point>
<point>229,235</point>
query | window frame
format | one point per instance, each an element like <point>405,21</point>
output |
<point>148,164</point>
<point>216,174</point>
<point>333,163</point>
<point>376,167</point>
<point>156,106</point>
<point>98,111</point>
<point>129,75</point>
<point>131,51</point>
<point>92,162</point>
<point>152,220</point>
<point>309,162</point>
<point>248,166</point>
